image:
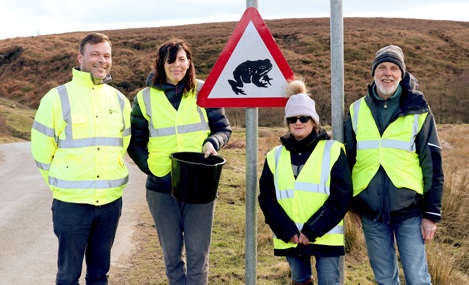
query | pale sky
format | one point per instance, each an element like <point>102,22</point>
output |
<point>23,18</point>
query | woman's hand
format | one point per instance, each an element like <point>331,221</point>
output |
<point>208,149</point>
<point>294,239</point>
<point>299,239</point>
<point>303,239</point>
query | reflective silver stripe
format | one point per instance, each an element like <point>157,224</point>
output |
<point>396,144</point>
<point>43,166</point>
<point>415,131</point>
<point>434,145</point>
<point>44,130</point>
<point>408,146</point>
<point>66,112</point>
<point>338,229</point>
<point>147,102</point>
<point>203,126</point>
<point>307,187</point>
<point>432,213</point>
<point>285,194</point>
<point>126,132</point>
<point>90,142</point>
<point>388,143</point>
<point>169,131</point>
<point>161,132</point>
<point>120,97</point>
<point>69,142</point>
<point>278,193</point>
<point>356,110</point>
<point>87,184</point>
<point>321,188</point>
<point>367,144</point>
<point>326,165</point>
<point>312,187</point>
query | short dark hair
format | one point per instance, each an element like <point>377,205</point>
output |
<point>93,38</point>
<point>168,52</point>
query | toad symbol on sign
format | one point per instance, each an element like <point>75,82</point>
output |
<point>254,72</point>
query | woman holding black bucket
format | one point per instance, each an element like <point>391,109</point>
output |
<point>165,120</point>
<point>305,191</point>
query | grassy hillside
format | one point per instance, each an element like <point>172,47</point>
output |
<point>437,53</point>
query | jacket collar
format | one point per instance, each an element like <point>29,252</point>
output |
<point>87,77</point>
<point>410,101</point>
<point>309,142</point>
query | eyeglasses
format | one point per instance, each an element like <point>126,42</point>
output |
<point>303,119</point>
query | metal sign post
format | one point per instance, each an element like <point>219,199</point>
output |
<point>337,85</point>
<point>251,188</point>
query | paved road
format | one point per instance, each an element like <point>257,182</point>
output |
<point>28,246</point>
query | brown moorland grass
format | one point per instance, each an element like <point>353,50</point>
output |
<point>437,53</point>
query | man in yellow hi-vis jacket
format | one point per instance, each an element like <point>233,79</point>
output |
<point>78,140</point>
<point>395,155</point>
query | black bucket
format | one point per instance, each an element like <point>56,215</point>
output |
<point>194,178</point>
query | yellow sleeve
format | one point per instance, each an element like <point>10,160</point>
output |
<point>44,132</point>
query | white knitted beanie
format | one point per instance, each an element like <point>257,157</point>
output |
<point>299,103</point>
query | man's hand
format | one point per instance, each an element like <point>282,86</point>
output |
<point>428,229</point>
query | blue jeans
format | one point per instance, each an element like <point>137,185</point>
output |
<point>380,244</point>
<point>84,231</point>
<point>326,267</point>
<point>182,225</point>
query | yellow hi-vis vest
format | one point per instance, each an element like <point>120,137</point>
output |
<point>79,138</point>
<point>171,130</point>
<point>395,150</point>
<point>302,197</point>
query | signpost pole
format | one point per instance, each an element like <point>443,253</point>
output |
<point>251,188</point>
<point>337,84</point>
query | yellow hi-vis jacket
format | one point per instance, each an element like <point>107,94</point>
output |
<point>78,139</point>
<point>302,197</point>
<point>394,150</point>
<point>171,130</point>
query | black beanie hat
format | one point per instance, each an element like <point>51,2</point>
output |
<point>389,53</point>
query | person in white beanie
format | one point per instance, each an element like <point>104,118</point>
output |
<point>395,156</point>
<point>305,191</point>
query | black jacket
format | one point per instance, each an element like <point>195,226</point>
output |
<point>220,133</point>
<point>381,200</point>
<point>326,218</point>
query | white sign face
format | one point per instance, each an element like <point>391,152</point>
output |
<point>251,71</point>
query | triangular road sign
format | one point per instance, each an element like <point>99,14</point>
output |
<point>250,71</point>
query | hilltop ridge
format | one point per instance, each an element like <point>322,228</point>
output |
<point>437,53</point>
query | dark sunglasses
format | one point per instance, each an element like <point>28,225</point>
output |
<point>303,119</point>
